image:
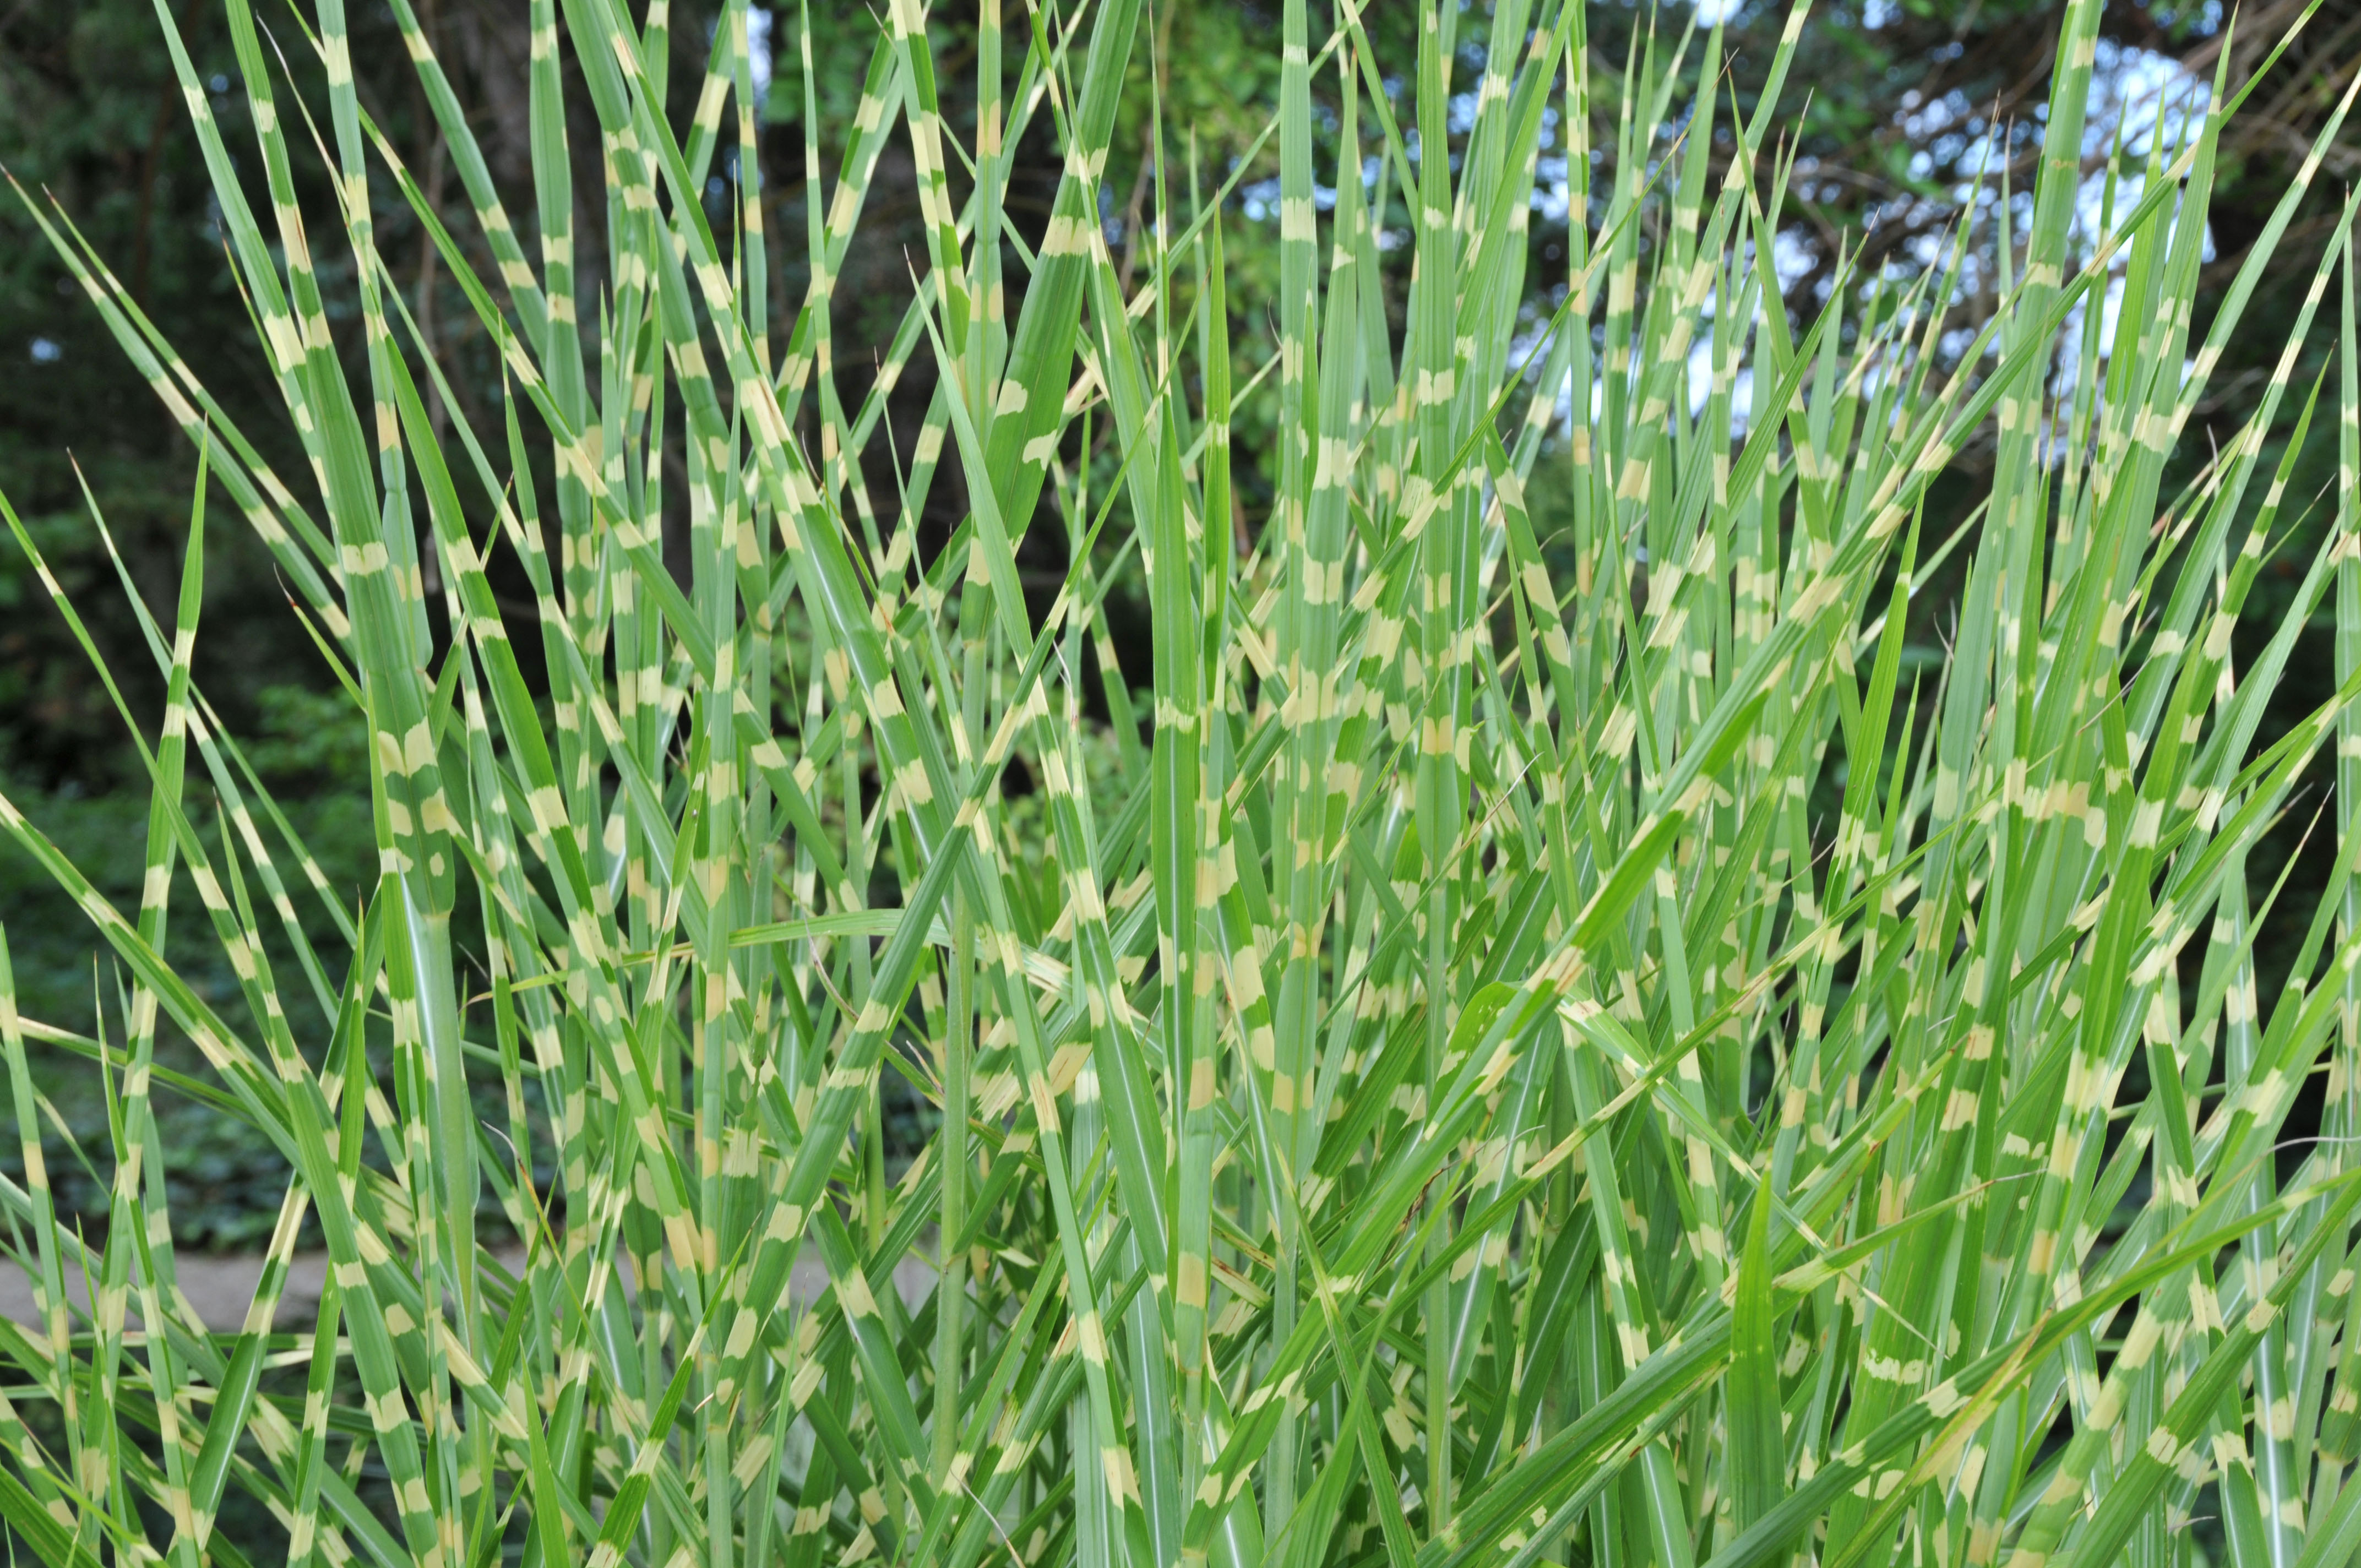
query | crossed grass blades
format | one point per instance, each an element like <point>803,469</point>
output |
<point>1441,1102</point>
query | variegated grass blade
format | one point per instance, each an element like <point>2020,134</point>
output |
<point>1526,1040</point>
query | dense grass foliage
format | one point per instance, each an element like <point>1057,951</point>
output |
<point>1526,1039</point>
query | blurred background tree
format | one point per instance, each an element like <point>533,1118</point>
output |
<point>1902,118</point>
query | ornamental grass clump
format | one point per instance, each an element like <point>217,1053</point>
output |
<point>1533,1043</point>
